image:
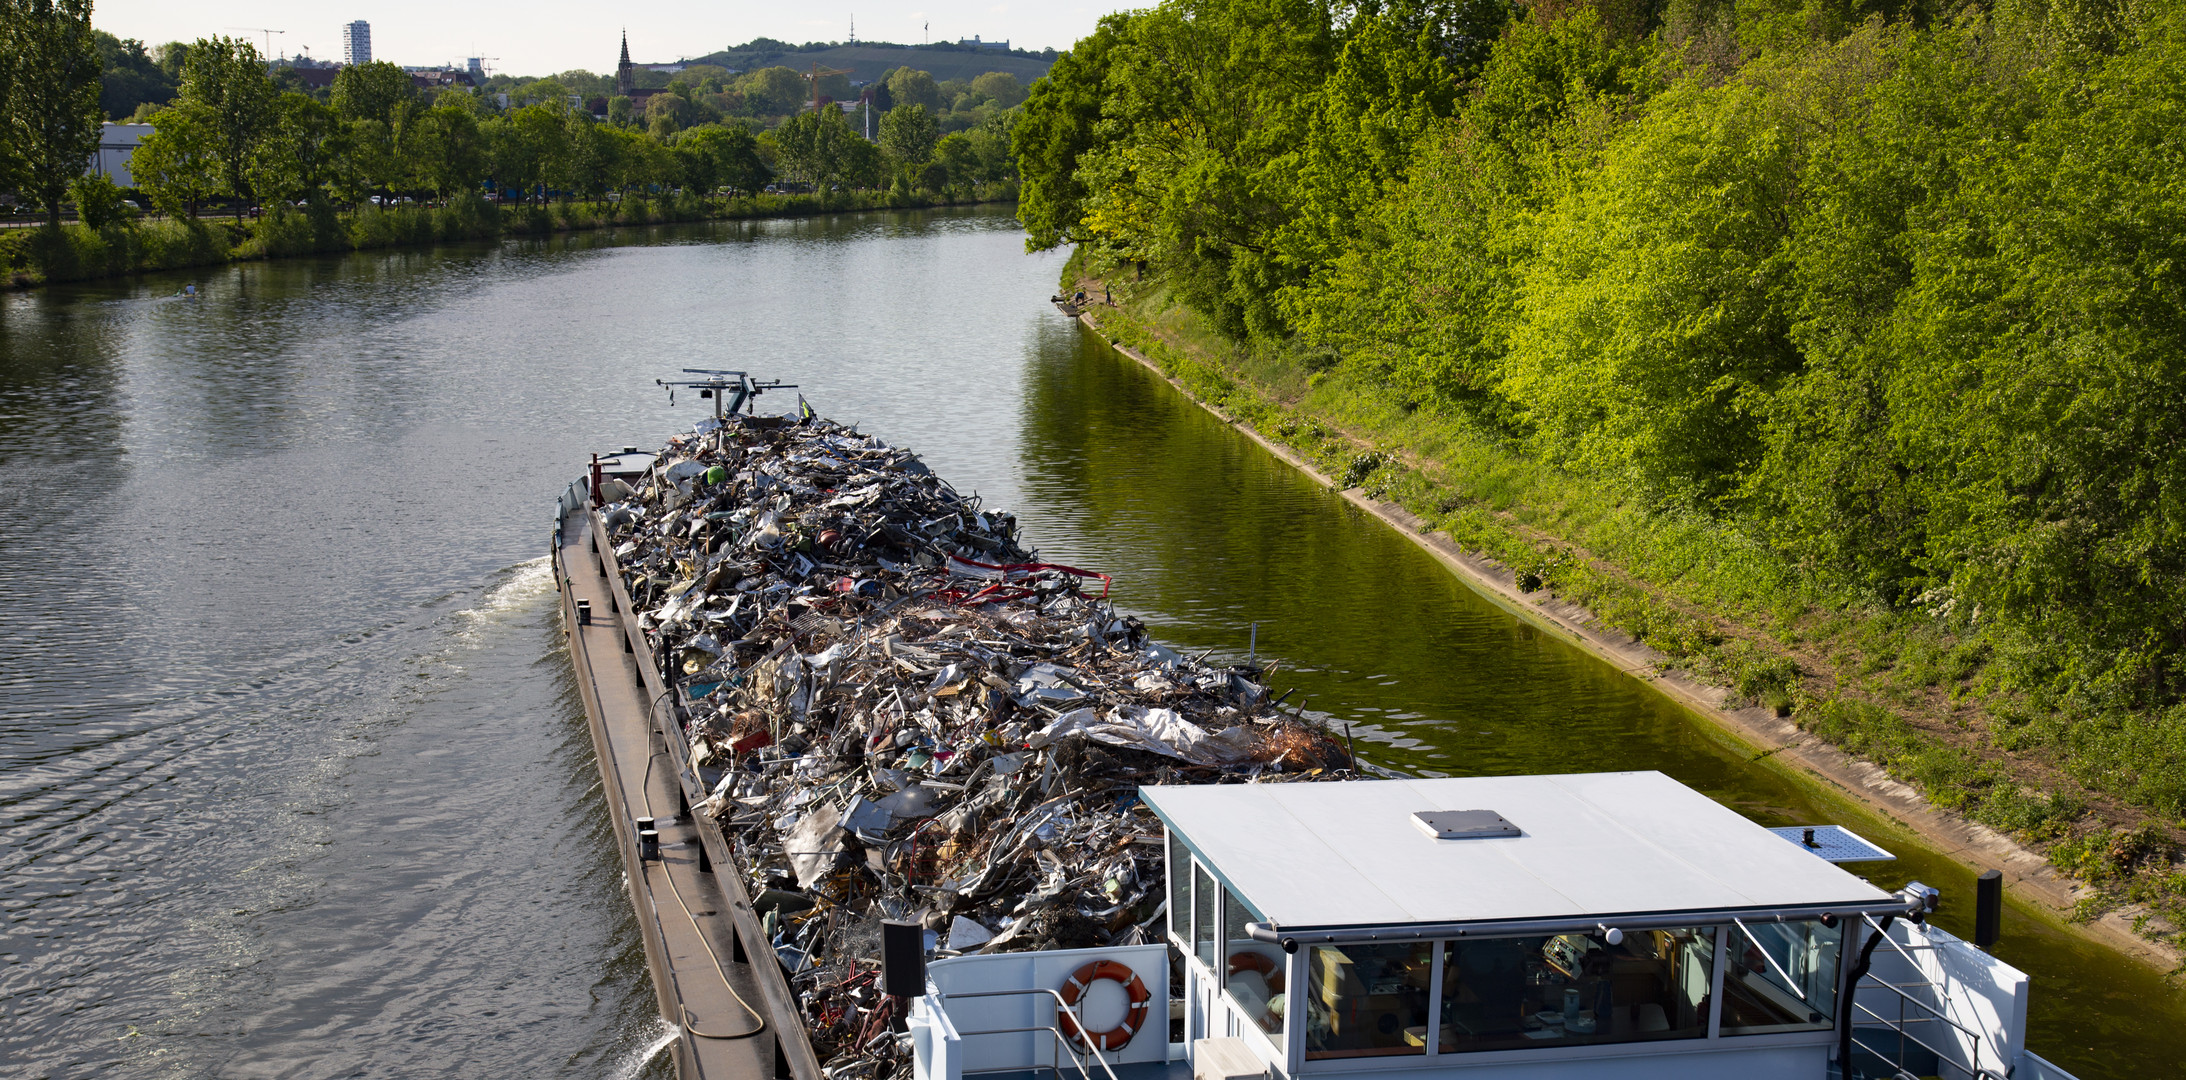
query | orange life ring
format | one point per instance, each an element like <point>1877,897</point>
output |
<point>1115,1038</point>
<point>1244,959</point>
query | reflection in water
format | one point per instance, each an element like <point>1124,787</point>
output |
<point>293,780</point>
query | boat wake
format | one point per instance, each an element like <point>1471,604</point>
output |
<point>516,593</point>
<point>635,1064</point>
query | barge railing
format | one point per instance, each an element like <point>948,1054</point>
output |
<point>1061,1007</point>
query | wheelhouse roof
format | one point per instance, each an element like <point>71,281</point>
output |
<point>1349,854</point>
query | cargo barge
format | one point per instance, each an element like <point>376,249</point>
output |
<point>1263,924</point>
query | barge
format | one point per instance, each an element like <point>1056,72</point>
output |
<point>1613,924</point>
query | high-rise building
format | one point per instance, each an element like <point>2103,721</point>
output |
<point>357,42</point>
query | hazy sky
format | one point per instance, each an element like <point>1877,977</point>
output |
<point>540,37</point>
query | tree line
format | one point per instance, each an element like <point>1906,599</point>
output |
<point>231,130</point>
<point>1894,288</point>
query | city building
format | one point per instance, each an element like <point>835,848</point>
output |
<point>973,42</point>
<point>357,42</point>
<point>116,143</point>
<point>441,78</point>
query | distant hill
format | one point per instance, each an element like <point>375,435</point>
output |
<point>867,60</point>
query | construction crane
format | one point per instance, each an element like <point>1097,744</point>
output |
<point>260,30</point>
<point>816,75</point>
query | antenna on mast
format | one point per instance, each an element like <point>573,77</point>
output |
<point>730,390</point>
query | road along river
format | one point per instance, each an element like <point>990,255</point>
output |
<point>293,779</point>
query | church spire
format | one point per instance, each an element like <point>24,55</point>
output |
<point>625,78</point>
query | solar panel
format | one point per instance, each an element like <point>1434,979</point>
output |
<point>1834,843</point>
<point>1463,824</point>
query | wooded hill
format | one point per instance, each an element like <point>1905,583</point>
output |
<point>1835,346</point>
<point>867,61</point>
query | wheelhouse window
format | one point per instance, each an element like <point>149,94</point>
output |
<point>1180,888</point>
<point>1575,989</point>
<point>1780,976</point>
<point>1252,970</point>
<point>1367,1000</point>
<point>1203,900</point>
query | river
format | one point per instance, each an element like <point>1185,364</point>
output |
<point>293,778</point>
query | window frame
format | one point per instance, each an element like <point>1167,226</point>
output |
<point>1294,1061</point>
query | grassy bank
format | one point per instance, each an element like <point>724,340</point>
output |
<point>30,257</point>
<point>1934,700</point>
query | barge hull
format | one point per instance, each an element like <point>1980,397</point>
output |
<point>715,976</point>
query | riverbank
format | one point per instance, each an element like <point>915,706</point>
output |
<point>1860,705</point>
<point>37,256</point>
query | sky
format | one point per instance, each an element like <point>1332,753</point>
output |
<point>541,37</point>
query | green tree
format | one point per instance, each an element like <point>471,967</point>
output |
<point>958,160</point>
<point>821,148</point>
<point>228,78</point>
<point>1423,296</point>
<point>861,164</point>
<point>129,77</point>
<point>639,163</point>
<point>990,148</point>
<point>528,146</point>
<point>909,86</point>
<point>444,150</point>
<point>1401,70</point>
<point>549,92</point>
<point>98,201</point>
<point>715,157</point>
<point>304,152</point>
<point>52,118</point>
<point>1000,87</point>
<point>590,166</point>
<point>170,58</point>
<point>1062,122</point>
<point>1211,98</point>
<point>376,91</point>
<point>772,91</point>
<point>375,164</point>
<point>666,114</point>
<point>178,164</point>
<point>908,135</point>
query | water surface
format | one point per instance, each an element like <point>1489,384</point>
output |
<point>293,781</point>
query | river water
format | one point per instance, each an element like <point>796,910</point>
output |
<point>293,778</point>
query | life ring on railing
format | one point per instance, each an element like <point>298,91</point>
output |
<point>1115,1038</point>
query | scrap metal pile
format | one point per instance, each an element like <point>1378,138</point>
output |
<point>915,717</point>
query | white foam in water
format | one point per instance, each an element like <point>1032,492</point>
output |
<point>525,581</point>
<point>633,1066</point>
<point>521,587</point>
